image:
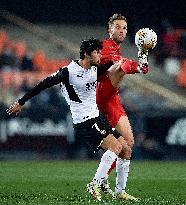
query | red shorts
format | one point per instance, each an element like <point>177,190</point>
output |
<point>108,101</point>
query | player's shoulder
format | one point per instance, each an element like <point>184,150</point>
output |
<point>73,66</point>
<point>64,71</point>
<point>94,68</point>
<point>109,43</point>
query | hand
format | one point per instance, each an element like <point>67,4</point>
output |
<point>15,108</point>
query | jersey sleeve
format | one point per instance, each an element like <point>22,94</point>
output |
<point>48,82</point>
<point>110,53</point>
<point>103,68</point>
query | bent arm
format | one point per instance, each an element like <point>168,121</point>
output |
<point>103,68</point>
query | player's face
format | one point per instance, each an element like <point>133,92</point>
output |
<point>118,30</point>
<point>95,57</point>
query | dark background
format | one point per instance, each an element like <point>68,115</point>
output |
<point>97,12</point>
<point>157,15</point>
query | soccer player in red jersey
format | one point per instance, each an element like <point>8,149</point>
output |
<point>108,100</point>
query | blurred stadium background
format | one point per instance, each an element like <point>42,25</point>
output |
<point>38,38</point>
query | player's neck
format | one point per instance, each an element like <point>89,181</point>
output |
<point>84,64</point>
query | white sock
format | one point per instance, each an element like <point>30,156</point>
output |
<point>106,161</point>
<point>122,170</point>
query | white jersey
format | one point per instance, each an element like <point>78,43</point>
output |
<point>79,91</point>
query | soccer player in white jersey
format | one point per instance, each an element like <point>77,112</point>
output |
<point>78,81</point>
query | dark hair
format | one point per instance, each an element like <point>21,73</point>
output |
<point>116,17</point>
<point>88,46</point>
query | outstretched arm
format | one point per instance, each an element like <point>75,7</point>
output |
<point>48,82</point>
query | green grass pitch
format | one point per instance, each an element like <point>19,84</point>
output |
<point>63,182</point>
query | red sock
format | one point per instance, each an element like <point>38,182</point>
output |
<point>112,167</point>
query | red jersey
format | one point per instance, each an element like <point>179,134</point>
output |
<point>107,96</point>
<point>110,51</point>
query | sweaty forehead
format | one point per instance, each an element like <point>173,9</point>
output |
<point>121,23</point>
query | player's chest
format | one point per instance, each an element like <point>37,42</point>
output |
<point>84,80</point>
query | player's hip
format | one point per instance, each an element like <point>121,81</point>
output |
<point>105,90</point>
<point>94,130</point>
<point>113,110</point>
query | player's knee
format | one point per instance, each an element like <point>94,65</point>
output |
<point>130,142</point>
<point>111,143</point>
<point>128,153</point>
<point>126,150</point>
<point>116,148</point>
<point>125,153</point>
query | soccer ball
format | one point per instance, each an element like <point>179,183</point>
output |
<point>145,38</point>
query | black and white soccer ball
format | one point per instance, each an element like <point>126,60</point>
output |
<point>145,38</point>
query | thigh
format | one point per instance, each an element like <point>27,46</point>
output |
<point>114,110</point>
<point>124,128</point>
<point>104,91</point>
<point>93,131</point>
<point>86,133</point>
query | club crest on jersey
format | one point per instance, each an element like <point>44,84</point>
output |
<point>94,68</point>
